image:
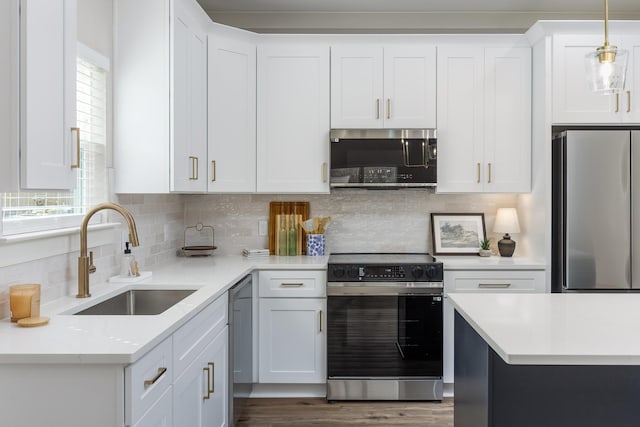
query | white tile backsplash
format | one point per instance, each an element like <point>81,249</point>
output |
<point>362,220</point>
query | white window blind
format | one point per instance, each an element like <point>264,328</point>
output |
<point>36,211</point>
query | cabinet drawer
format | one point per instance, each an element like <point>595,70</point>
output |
<point>146,380</point>
<point>299,283</point>
<point>495,281</point>
<point>193,337</point>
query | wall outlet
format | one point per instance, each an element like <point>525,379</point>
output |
<point>262,227</point>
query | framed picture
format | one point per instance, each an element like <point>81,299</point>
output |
<point>457,233</point>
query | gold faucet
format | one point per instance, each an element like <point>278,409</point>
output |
<point>85,263</point>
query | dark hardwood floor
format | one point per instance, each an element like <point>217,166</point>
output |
<point>317,412</point>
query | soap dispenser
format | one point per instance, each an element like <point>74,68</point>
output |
<point>126,267</point>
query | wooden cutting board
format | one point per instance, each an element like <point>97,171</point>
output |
<point>277,210</point>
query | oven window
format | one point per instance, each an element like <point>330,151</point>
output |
<point>384,336</point>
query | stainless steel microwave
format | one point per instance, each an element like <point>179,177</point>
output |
<point>383,158</point>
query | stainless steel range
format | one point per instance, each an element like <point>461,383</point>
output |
<point>384,327</point>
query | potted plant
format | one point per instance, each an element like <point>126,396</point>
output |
<point>484,248</point>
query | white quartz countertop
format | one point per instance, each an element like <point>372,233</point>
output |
<point>124,339</point>
<point>556,329</point>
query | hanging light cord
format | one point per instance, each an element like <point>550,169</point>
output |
<point>606,24</point>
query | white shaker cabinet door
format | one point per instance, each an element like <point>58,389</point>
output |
<point>160,414</point>
<point>200,394</point>
<point>293,118</point>
<point>356,87</point>
<point>189,97</point>
<point>232,116</point>
<point>573,100</point>
<point>9,95</point>
<point>292,340</point>
<point>49,135</point>
<point>410,86</point>
<point>507,140</point>
<point>460,102</point>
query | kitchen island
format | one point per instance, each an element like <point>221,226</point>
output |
<point>547,359</point>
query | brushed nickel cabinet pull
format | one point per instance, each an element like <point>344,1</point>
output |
<point>208,395</point>
<point>212,389</point>
<point>291,285</point>
<point>320,320</point>
<point>152,381</point>
<point>213,171</point>
<point>489,179</point>
<point>324,171</point>
<point>378,108</point>
<point>617,102</point>
<point>628,101</point>
<point>494,285</point>
<point>76,165</point>
<point>478,173</point>
<point>197,167</point>
<point>388,108</point>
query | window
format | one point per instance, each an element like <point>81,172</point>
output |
<point>36,211</point>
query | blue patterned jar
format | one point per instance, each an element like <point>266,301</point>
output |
<point>315,244</point>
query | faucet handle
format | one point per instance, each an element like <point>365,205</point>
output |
<point>92,268</point>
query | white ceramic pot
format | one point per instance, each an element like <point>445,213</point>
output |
<point>484,252</point>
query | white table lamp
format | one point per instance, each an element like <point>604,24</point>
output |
<point>506,222</point>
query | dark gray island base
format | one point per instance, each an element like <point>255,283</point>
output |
<point>490,392</point>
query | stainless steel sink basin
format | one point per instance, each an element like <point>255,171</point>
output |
<point>138,302</point>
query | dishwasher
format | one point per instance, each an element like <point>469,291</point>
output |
<point>240,347</point>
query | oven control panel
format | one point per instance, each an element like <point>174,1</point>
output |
<point>385,273</point>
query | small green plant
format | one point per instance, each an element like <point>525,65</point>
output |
<point>485,244</point>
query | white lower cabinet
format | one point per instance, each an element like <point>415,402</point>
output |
<point>292,327</point>
<point>200,393</point>
<point>167,386</point>
<point>292,340</point>
<point>160,414</point>
<point>484,281</point>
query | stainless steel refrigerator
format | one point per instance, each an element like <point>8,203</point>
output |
<point>596,210</point>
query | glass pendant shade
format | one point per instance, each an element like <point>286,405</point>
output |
<point>606,66</point>
<point>607,69</point>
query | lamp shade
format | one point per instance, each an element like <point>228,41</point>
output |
<point>506,221</point>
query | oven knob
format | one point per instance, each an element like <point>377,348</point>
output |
<point>431,271</point>
<point>416,272</point>
<point>352,273</point>
<point>338,271</point>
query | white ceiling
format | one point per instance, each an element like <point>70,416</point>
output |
<point>407,15</point>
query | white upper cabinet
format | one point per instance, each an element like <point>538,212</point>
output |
<point>160,96</point>
<point>232,116</point>
<point>9,95</point>
<point>629,101</point>
<point>484,119</point>
<point>189,136</point>
<point>293,118</point>
<point>49,139</point>
<point>383,87</point>
<point>573,100</point>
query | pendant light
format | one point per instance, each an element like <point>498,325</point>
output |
<point>607,65</point>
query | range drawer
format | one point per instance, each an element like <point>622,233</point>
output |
<point>495,281</point>
<point>292,283</point>
<point>146,380</point>
<point>193,337</point>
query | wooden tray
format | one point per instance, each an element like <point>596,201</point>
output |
<point>300,210</point>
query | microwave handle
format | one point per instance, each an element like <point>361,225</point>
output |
<point>405,155</point>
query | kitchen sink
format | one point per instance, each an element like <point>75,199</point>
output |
<point>138,302</point>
